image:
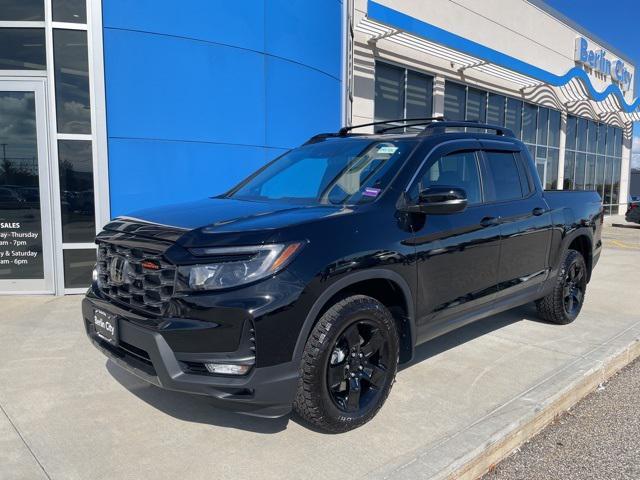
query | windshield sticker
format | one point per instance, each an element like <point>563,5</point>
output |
<point>388,150</point>
<point>371,192</point>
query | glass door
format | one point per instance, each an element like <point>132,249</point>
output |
<point>26,240</point>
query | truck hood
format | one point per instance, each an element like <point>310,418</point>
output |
<point>212,220</point>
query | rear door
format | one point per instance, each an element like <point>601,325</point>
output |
<point>457,253</point>
<point>525,221</point>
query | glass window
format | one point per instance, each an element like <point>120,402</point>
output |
<point>504,175</point>
<point>572,128</point>
<point>495,109</point>
<point>610,140</point>
<point>592,142</point>
<point>602,139</point>
<point>72,81</point>
<point>456,170</point>
<point>73,11</point>
<point>554,128</point>
<point>76,191</point>
<point>345,172</point>
<point>529,121</point>
<point>21,10</point>
<point>419,95</point>
<point>590,173</point>
<point>78,266</point>
<point>607,180</point>
<point>599,183</point>
<point>476,105</point>
<point>582,134</point>
<point>389,102</point>
<point>615,190</point>
<point>454,101</point>
<point>22,49</point>
<point>569,170</point>
<point>551,182</point>
<point>513,116</point>
<point>581,163</point>
<point>543,126</point>
<point>617,142</point>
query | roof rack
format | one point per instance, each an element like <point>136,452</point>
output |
<point>432,126</point>
<point>440,127</point>
<point>423,121</point>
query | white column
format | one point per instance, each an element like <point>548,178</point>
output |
<point>563,144</point>
<point>438,96</point>
<point>625,168</point>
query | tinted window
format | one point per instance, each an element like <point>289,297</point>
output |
<point>456,170</point>
<point>76,191</point>
<point>78,265</point>
<point>22,49</point>
<point>389,103</point>
<point>529,123</point>
<point>504,175</point>
<point>74,11</point>
<point>72,81</point>
<point>419,95</point>
<point>495,109</point>
<point>16,10</point>
<point>454,101</point>
<point>329,172</point>
<point>554,128</point>
<point>513,118</point>
<point>476,105</point>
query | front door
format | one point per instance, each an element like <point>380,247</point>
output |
<point>26,250</point>
<point>457,253</point>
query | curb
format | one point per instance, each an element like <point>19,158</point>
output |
<point>474,451</point>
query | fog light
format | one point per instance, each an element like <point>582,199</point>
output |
<point>227,368</point>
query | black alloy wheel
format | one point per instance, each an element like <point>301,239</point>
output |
<point>564,302</point>
<point>574,287</point>
<point>348,365</point>
<point>358,367</point>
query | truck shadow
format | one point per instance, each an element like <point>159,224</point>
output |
<point>197,409</point>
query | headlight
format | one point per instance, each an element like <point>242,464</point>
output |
<point>236,266</point>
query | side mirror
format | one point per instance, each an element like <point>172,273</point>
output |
<point>440,200</point>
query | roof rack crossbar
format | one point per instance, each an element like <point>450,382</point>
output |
<point>440,127</point>
<point>345,130</point>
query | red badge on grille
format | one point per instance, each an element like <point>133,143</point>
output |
<point>149,265</point>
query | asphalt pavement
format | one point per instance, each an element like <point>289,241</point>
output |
<point>597,439</point>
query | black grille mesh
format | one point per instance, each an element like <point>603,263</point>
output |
<point>147,289</point>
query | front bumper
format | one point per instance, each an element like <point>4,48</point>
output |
<point>145,352</point>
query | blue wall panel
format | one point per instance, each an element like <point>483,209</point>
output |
<point>175,171</point>
<point>175,88</point>
<point>237,23</point>
<point>300,103</point>
<point>201,93</point>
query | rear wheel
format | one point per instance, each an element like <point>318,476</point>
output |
<point>348,366</point>
<point>564,303</point>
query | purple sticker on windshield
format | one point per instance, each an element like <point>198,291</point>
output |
<point>371,192</point>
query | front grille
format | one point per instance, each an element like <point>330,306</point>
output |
<point>136,285</point>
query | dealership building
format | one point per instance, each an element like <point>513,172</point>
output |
<point>109,106</point>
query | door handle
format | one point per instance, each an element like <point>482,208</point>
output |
<point>489,221</point>
<point>538,211</point>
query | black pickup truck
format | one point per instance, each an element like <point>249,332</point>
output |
<point>309,282</point>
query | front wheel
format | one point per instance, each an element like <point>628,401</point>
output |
<point>348,365</point>
<point>565,301</point>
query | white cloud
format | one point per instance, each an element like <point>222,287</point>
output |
<point>635,151</point>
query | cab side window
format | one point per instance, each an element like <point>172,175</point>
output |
<point>506,177</point>
<point>459,169</point>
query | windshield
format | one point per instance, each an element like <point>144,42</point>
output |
<point>336,172</point>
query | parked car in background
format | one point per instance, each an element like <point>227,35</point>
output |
<point>308,283</point>
<point>633,209</point>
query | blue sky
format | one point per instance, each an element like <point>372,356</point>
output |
<point>616,23</point>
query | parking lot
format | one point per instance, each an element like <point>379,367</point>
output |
<point>68,413</point>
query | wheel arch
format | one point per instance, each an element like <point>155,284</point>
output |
<point>582,242</point>
<point>361,283</point>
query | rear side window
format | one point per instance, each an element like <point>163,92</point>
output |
<point>505,177</point>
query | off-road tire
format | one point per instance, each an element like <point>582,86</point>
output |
<point>552,307</point>
<point>313,402</point>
